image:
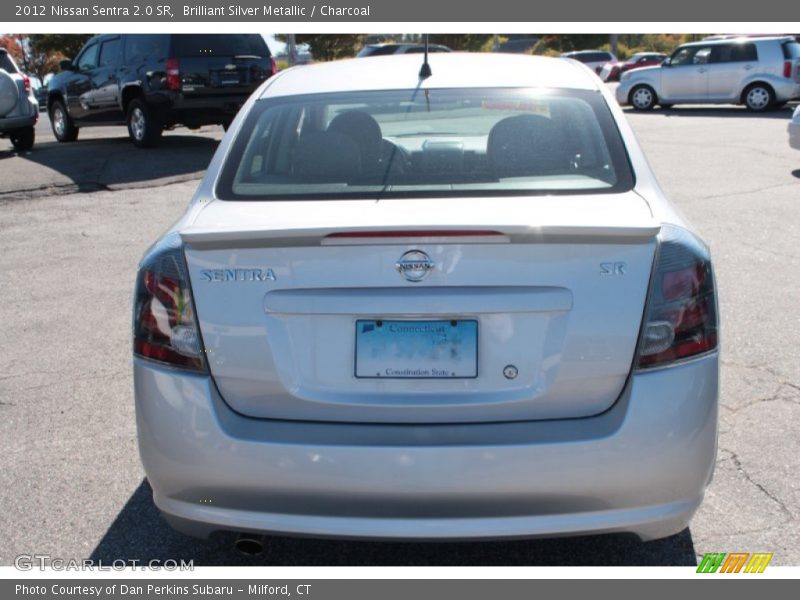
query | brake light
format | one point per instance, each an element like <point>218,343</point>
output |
<point>26,82</point>
<point>681,317</point>
<point>274,65</point>
<point>787,69</point>
<point>173,74</point>
<point>164,325</point>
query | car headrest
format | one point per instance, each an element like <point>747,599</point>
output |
<point>326,157</point>
<point>364,130</point>
<point>527,145</point>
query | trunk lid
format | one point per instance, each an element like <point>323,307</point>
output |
<point>544,296</point>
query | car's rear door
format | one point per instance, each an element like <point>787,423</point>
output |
<point>728,67</point>
<point>221,64</point>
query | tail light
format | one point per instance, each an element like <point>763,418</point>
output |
<point>173,74</point>
<point>787,69</point>
<point>274,65</point>
<point>681,315</point>
<point>26,82</point>
<point>165,329</point>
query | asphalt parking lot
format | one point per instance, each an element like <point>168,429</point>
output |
<point>75,219</point>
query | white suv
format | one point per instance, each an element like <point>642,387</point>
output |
<point>760,73</point>
<point>19,109</point>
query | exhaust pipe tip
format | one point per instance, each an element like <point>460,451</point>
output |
<point>250,544</point>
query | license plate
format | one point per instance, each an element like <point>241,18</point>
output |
<point>416,349</point>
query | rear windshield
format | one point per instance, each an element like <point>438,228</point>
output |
<point>6,63</point>
<point>417,143</point>
<point>188,45</point>
<point>791,50</point>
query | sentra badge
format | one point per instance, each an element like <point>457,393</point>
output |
<point>228,275</point>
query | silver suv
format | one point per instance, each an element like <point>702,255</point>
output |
<point>761,73</point>
<point>19,109</point>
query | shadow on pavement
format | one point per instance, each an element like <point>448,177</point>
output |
<point>140,533</point>
<point>94,164</point>
<point>739,112</point>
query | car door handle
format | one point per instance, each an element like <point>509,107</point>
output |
<point>748,67</point>
<point>702,70</point>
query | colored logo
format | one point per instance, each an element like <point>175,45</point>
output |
<point>734,562</point>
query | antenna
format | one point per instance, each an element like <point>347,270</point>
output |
<point>425,70</point>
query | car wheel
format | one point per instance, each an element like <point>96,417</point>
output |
<point>63,127</point>
<point>759,97</point>
<point>144,127</point>
<point>22,139</point>
<point>643,97</point>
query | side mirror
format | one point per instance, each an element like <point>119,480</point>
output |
<point>66,64</point>
<point>666,62</point>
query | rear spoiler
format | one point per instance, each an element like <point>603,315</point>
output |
<point>388,235</point>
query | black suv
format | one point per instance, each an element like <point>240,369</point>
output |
<point>153,82</point>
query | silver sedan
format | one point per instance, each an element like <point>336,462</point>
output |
<point>428,305</point>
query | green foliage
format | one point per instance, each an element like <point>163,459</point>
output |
<point>325,46</point>
<point>12,46</point>
<point>628,44</point>
<point>463,42</point>
<point>336,46</point>
<point>66,44</point>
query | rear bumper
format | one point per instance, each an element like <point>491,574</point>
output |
<point>25,114</point>
<point>8,124</point>
<point>786,90</point>
<point>640,467</point>
<point>205,109</point>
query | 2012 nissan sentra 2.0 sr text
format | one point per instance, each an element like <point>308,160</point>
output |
<point>446,307</point>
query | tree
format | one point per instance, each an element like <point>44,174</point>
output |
<point>463,42</point>
<point>42,63</point>
<point>66,44</point>
<point>331,46</point>
<point>12,46</point>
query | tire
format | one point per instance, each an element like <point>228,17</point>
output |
<point>643,97</point>
<point>63,127</point>
<point>22,139</point>
<point>758,97</point>
<point>144,126</point>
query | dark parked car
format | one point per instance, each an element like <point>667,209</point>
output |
<point>392,48</point>
<point>155,82</point>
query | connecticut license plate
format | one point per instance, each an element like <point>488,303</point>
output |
<point>416,349</point>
